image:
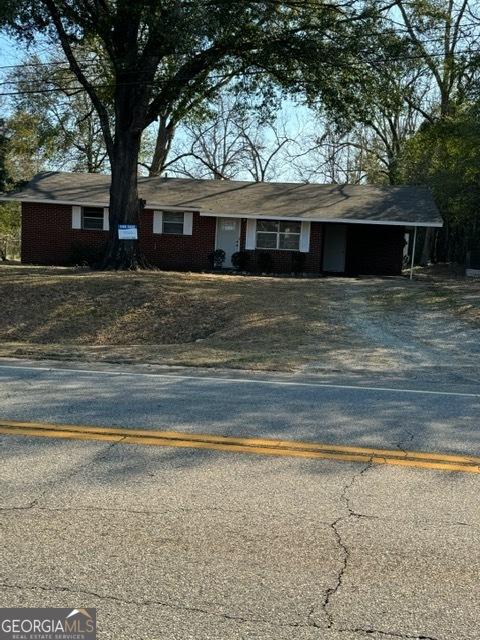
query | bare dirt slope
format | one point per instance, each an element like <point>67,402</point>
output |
<point>306,325</point>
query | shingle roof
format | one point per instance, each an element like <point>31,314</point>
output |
<point>326,202</point>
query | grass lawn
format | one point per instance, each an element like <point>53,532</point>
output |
<point>209,320</point>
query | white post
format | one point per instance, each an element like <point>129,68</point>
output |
<point>413,252</point>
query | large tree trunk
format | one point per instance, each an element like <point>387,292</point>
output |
<point>125,205</point>
<point>165,133</point>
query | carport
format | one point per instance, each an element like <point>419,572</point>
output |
<point>373,249</point>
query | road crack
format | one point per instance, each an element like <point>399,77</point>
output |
<point>345,552</point>
<point>327,603</point>
<point>148,602</point>
<point>193,609</point>
<point>151,512</point>
<point>404,442</point>
<point>64,478</point>
<point>387,634</point>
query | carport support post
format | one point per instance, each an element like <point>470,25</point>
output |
<point>413,252</point>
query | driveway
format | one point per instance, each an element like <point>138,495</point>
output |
<point>417,330</point>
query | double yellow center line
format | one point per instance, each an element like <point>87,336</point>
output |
<point>259,446</point>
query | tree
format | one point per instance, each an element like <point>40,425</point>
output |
<point>10,219</point>
<point>189,108</point>
<point>213,147</point>
<point>423,67</point>
<point>9,212</point>
<point>161,51</point>
<point>444,155</point>
<point>54,123</point>
<point>445,41</point>
<point>4,177</point>
<point>329,156</point>
<point>265,148</point>
<point>375,117</point>
<point>236,138</point>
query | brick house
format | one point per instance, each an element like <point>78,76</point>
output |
<point>313,228</point>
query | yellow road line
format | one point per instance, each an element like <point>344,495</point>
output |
<point>259,446</point>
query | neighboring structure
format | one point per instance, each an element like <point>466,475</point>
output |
<point>342,229</point>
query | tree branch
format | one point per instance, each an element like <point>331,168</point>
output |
<point>83,80</point>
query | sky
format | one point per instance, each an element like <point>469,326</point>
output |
<point>9,51</point>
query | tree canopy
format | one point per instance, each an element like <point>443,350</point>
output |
<point>163,55</point>
<point>445,156</point>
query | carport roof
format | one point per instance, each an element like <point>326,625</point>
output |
<point>397,205</point>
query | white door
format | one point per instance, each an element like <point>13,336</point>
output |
<point>334,248</point>
<point>228,237</point>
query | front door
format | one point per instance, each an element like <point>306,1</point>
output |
<point>228,237</point>
<point>334,248</point>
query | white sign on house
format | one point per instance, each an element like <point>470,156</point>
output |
<point>127,232</point>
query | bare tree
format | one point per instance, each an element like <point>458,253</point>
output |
<point>235,142</point>
<point>443,37</point>
<point>213,148</point>
<point>264,146</point>
<point>189,108</point>
<point>331,156</point>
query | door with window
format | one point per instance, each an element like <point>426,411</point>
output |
<point>228,238</point>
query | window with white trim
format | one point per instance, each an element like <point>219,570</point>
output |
<point>274,234</point>
<point>92,218</point>
<point>173,222</point>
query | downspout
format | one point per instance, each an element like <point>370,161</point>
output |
<point>413,252</point>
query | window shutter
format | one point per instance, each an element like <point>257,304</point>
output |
<point>106,221</point>
<point>305,237</point>
<point>157,221</point>
<point>76,217</point>
<point>250,239</point>
<point>187,223</point>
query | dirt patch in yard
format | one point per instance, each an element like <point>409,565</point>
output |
<point>283,324</point>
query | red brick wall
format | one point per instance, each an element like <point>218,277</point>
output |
<point>47,238</point>
<point>283,261</point>
<point>47,234</point>
<point>179,252</point>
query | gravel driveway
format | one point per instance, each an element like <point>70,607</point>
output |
<point>397,326</point>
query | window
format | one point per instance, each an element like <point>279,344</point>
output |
<point>92,218</point>
<point>172,222</point>
<point>272,234</point>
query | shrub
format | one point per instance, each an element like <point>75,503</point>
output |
<point>265,262</point>
<point>240,260</point>
<point>216,258</point>
<point>298,262</point>
<point>85,255</point>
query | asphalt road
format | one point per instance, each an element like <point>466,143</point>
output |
<point>182,544</point>
<point>367,413</point>
<point>178,544</point>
